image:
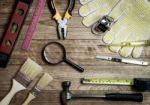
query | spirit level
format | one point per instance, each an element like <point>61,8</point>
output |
<point>11,34</point>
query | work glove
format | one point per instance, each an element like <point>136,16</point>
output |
<point>132,24</point>
<point>93,10</point>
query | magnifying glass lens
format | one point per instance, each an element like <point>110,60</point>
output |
<point>54,53</point>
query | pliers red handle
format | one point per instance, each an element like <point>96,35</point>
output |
<point>62,21</point>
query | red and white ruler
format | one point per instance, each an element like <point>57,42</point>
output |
<point>35,19</point>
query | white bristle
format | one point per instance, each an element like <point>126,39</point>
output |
<point>44,81</point>
<point>31,69</point>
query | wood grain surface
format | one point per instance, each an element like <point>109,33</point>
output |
<point>81,46</point>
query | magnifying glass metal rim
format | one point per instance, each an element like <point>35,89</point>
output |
<point>64,59</point>
<point>44,55</point>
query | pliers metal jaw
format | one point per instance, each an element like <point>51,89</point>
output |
<point>62,29</point>
<point>62,21</point>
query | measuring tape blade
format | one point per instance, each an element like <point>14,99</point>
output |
<point>106,81</point>
<point>35,19</point>
<point>7,43</point>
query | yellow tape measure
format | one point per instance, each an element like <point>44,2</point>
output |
<point>107,81</point>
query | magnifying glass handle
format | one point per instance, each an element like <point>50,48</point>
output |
<point>79,68</point>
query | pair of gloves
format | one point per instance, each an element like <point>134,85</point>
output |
<point>133,22</point>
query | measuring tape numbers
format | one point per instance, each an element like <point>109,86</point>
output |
<point>140,84</point>
<point>106,81</point>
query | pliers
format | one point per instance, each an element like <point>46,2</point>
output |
<point>62,22</point>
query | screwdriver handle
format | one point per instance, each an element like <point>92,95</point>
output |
<point>137,97</point>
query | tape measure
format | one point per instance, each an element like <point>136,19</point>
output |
<point>35,19</point>
<point>140,84</point>
<point>106,81</point>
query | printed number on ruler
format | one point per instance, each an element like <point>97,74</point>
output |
<point>103,81</point>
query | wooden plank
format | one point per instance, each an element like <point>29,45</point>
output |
<point>81,48</point>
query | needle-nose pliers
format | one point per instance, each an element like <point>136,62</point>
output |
<point>62,21</point>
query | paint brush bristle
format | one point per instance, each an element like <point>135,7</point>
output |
<point>44,81</point>
<point>30,69</point>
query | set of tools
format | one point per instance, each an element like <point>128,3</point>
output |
<point>55,53</point>
<point>67,95</point>
<point>18,16</point>
<point>28,72</point>
<point>139,84</point>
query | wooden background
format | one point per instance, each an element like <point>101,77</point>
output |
<point>81,47</point>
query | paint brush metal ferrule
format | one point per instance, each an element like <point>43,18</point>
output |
<point>35,91</point>
<point>122,60</point>
<point>28,72</point>
<point>21,78</point>
<point>42,83</point>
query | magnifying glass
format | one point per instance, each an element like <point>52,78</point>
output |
<point>55,53</point>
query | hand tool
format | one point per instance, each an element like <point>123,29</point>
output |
<point>11,34</point>
<point>42,83</point>
<point>29,71</point>
<point>135,43</point>
<point>55,53</point>
<point>122,60</point>
<point>62,22</point>
<point>139,84</point>
<point>35,19</point>
<point>67,95</point>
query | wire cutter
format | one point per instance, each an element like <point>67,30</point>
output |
<point>62,22</point>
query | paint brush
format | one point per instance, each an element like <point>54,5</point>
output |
<point>42,83</point>
<point>21,81</point>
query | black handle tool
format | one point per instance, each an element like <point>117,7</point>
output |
<point>67,95</point>
<point>62,21</point>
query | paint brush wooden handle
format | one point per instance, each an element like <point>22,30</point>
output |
<point>29,99</point>
<point>16,87</point>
